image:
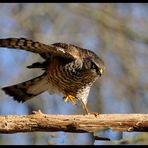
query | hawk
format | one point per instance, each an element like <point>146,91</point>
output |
<point>68,69</point>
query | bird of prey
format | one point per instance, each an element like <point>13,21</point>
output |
<point>68,69</point>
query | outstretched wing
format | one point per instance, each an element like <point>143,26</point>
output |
<point>58,49</point>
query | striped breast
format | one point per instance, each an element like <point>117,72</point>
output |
<point>69,79</point>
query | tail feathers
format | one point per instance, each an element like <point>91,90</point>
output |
<point>24,91</point>
<point>42,65</point>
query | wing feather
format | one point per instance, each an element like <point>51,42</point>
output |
<point>36,47</point>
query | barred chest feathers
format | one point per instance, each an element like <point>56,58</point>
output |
<point>71,79</point>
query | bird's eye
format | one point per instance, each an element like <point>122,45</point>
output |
<point>94,66</point>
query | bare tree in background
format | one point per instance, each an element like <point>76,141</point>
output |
<point>116,32</point>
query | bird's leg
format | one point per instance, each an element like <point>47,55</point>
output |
<point>84,107</point>
<point>71,98</point>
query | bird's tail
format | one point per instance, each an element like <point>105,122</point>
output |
<point>28,89</point>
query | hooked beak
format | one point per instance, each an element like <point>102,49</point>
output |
<point>100,71</point>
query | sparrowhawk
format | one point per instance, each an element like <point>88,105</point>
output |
<point>68,69</point>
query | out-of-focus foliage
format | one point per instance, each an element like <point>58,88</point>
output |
<point>118,33</point>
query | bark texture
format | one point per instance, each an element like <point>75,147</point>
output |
<point>73,123</point>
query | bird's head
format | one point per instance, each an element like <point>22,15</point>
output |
<point>93,63</point>
<point>98,68</point>
<point>97,65</point>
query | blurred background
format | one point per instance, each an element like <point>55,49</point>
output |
<point>118,33</point>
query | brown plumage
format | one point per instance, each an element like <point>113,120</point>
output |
<point>68,69</point>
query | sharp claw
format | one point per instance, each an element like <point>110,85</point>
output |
<point>93,113</point>
<point>71,98</point>
<point>73,102</point>
<point>37,112</point>
<point>66,99</point>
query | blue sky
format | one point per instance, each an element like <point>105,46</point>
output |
<point>12,72</point>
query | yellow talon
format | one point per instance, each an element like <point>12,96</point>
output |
<point>71,98</point>
<point>66,99</point>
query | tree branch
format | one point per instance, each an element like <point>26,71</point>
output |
<point>105,19</point>
<point>73,123</point>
